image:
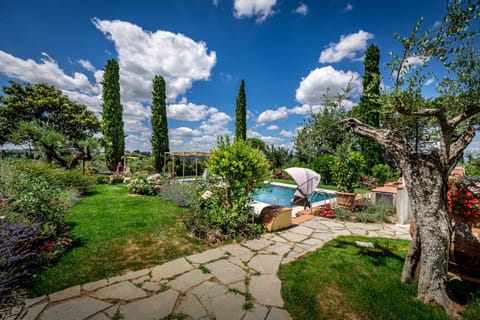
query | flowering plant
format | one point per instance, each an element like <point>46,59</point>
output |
<point>326,212</point>
<point>464,198</point>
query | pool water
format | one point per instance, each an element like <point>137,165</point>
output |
<point>275,194</point>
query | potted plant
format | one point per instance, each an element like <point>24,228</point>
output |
<point>346,173</point>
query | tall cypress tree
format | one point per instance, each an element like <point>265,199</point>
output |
<point>241,113</point>
<point>159,123</point>
<point>112,116</point>
<point>368,109</point>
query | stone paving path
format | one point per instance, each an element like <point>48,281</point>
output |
<point>235,281</point>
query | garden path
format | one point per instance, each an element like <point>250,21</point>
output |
<point>234,281</point>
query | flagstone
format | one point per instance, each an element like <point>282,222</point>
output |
<point>171,269</point>
<point>302,230</point>
<point>266,290</point>
<point>65,294</point>
<point>257,244</point>
<point>206,256</point>
<point>265,264</point>
<point>226,272</point>
<point>92,286</point>
<point>294,237</point>
<point>190,306</point>
<point>190,279</point>
<point>32,301</point>
<point>157,306</point>
<point>129,275</point>
<point>258,312</point>
<point>121,291</point>
<point>76,309</point>
<point>33,312</point>
<point>228,306</point>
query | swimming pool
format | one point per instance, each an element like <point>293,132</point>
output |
<point>281,195</point>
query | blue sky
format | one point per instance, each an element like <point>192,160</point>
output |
<point>287,51</point>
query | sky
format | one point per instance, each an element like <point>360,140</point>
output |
<point>289,53</point>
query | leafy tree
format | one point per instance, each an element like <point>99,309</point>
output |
<point>322,132</point>
<point>257,144</point>
<point>42,116</point>
<point>368,109</point>
<point>113,134</point>
<point>278,156</point>
<point>241,113</point>
<point>159,123</point>
<point>453,46</point>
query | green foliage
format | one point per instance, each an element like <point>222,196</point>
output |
<point>347,168</point>
<point>368,212</point>
<point>345,281</point>
<point>222,210</point>
<point>44,118</point>
<point>323,132</point>
<point>115,233</point>
<point>113,134</point>
<point>278,157</point>
<point>323,165</point>
<point>182,194</point>
<point>382,173</point>
<point>146,185</point>
<point>257,144</point>
<point>241,167</point>
<point>241,113</point>
<point>159,123</point>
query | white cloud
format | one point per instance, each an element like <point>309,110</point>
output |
<point>288,134</point>
<point>87,65</point>
<point>45,71</point>
<point>216,125</point>
<point>273,128</point>
<point>216,3</point>
<point>262,9</point>
<point>253,134</point>
<point>272,140</point>
<point>305,109</point>
<point>347,47</point>
<point>189,111</point>
<point>183,132</point>
<point>413,62</point>
<point>273,115</point>
<point>348,7</point>
<point>143,54</point>
<point>430,81</point>
<point>302,9</point>
<point>329,81</point>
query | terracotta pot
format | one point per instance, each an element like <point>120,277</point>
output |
<point>345,199</point>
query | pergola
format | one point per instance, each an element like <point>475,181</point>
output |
<point>171,155</point>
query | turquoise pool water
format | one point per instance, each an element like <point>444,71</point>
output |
<point>275,194</point>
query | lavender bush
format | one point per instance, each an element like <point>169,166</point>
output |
<point>19,248</point>
<point>183,194</point>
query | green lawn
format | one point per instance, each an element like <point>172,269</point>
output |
<point>116,232</point>
<point>344,281</point>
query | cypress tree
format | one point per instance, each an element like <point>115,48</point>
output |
<point>159,123</point>
<point>241,113</point>
<point>368,109</point>
<point>112,116</point>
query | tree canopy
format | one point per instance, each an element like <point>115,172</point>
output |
<point>452,119</point>
<point>113,134</point>
<point>241,113</point>
<point>42,116</point>
<point>159,123</point>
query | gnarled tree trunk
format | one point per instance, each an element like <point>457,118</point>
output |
<point>429,251</point>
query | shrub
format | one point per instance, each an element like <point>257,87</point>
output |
<point>323,165</point>
<point>183,194</point>
<point>19,243</point>
<point>116,178</point>
<point>366,211</point>
<point>382,173</point>
<point>102,179</point>
<point>221,210</point>
<point>141,184</point>
<point>347,168</point>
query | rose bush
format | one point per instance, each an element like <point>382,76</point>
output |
<point>464,198</point>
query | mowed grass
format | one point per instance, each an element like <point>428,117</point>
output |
<point>345,281</point>
<point>114,232</point>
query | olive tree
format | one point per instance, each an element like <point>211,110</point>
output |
<point>452,45</point>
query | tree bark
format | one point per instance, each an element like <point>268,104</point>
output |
<point>426,179</point>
